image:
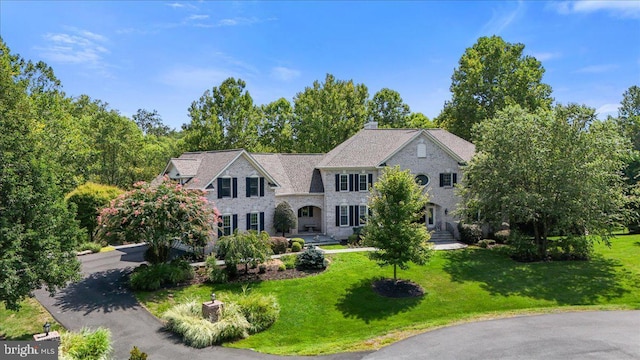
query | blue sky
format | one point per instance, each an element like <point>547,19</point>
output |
<point>164,54</point>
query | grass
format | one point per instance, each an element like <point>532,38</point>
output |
<point>23,324</point>
<point>337,310</point>
<point>333,247</point>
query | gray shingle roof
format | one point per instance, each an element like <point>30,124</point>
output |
<point>296,173</point>
<point>370,147</point>
<point>186,167</point>
<point>211,163</point>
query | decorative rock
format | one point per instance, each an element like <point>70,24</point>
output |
<point>53,336</point>
<point>212,310</point>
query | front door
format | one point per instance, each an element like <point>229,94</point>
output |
<point>430,217</point>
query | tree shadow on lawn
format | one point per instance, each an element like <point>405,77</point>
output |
<point>361,302</point>
<point>565,282</point>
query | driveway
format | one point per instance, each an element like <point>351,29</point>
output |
<point>101,298</point>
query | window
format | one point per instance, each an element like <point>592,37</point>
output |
<point>431,216</point>
<point>225,187</point>
<point>344,215</point>
<point>363,214</point>
<point>226,225</point>
<point>422,180</point>
<point>363,183</point>
<point>305,211</point>
<point>448,179</point>
<point>253,186</point>
<point>344,182</point>
<point>254,222</point>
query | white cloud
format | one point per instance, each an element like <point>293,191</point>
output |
<point>607,109</point>
<point>597,69</point>
<point>198,17</point>
<point>627,9</point>
<point>501,19</point>
<point>181,5</point>
<point>76,47</point>
<point>284,74</point>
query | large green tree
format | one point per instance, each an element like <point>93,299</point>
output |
<point>397,205</point>
<point>491,75</point>
<point>558,171</point>
<point>223,118</point>
<point>328,113</point>
<point>89,199</point>
<point>38,234</point>
<point>388,110</point>
<point>276,128</point>
<point>158,215</point>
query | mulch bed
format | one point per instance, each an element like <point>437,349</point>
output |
<point>397,288</point>
<point>272,273</point>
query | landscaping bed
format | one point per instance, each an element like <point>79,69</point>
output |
<point>272,273</point>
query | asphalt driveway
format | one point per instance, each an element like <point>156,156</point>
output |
<point>101,298</point>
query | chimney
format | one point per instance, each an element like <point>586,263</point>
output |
<point>371,125</point>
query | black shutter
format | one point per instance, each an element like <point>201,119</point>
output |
<point>248,187</point>
<point>351,176</point>
<point>337,182</point>
<point>300,212</point>
<point>351,213</point>
<point>261,186</point>
<point>455,178</point>
<point>261,221</point>
<point>337,215</point>
<point>234,225</point>
<point>356,215</point>
<point>370,181</point>
<point>219,188</point>
<point>248,222</point>
<point>441,179</point>
<point>235,187</point>
<point>310,211</point>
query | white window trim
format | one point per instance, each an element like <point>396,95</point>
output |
<point>230,187</point>
<point>345,176</point>
<point>257,214</point>
<point>257,181</point>
<point>428,179</point>
<point>304,212</point>
<point>450,176</point>
<point>366,182</point>
<point>360,213</point>
<point>346,214</point>
<point>230,217</point>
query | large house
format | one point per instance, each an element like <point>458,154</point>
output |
<point>329,192</point>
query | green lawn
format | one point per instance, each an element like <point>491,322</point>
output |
<point>23,324</point>
<point>337,310</point>
<point>333,247</point>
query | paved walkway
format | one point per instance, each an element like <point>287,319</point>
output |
<point>102,299</point>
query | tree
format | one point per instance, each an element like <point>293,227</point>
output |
<point>284,218</point>
<point>388,110</point>
<point>38,234</point>
<point>223,118</point>
<point>419,121</point>
<point>276,131</point>
<point>250,247</point>
<point>629,122</point>
<point>397,205</point>
<point>158,215</point>
<point>327,114</point>
<point>89,199</point>
<point>491,75</point>
<point>150,122</point>
<point>557,171</point>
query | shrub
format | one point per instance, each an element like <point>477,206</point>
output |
<point>89,199</point>
<point>261,311</point>
<point>247,248</point>
<point>571,248</point>
<point>284,218</point>
<point>289,261</point>
<point>523,248</point>
<point>310,259</point>
<point>262,268</point>
<point>298,240</point>
<point>486,243</point>
<point>353,239</point>
<point>136,354</point>
<point>153,277</point>
<point>92,246</point>
<point>470,233</point>
<point>502,236</point>
<point>86,344</point>
<point>278,244</point>
<point>157,254</point>
<point>187,321</point>
<point>282,267</point>
<point>296,246</point>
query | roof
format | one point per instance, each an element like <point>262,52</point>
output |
<point>211,163</point>
<point>371,147</point>
<point>296,173</point>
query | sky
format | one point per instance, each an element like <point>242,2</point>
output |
<point>164,55</point>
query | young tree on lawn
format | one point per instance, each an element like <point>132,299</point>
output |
<point>397,205</point>
<point>556,170</point>
<point>89,199</point>
<point>38,233</point>
<point>284,218</point>
<point>159,215</point>
<point>246,248</point>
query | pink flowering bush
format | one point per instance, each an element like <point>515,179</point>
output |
<point>158,215</point>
